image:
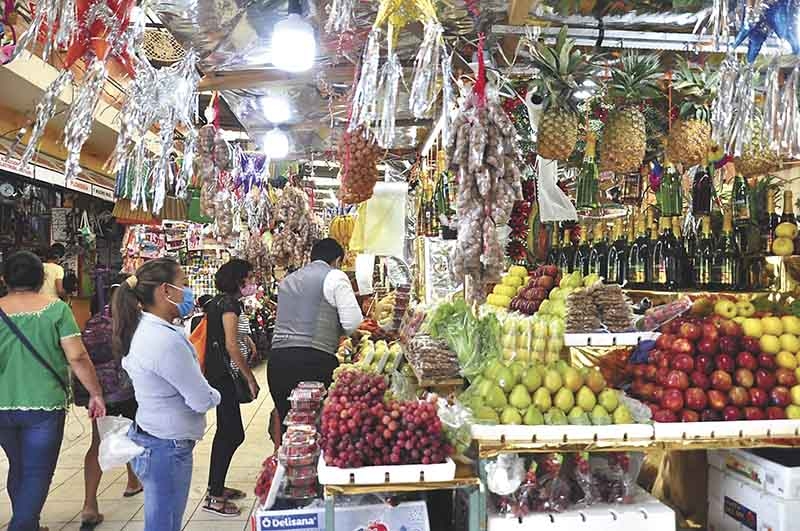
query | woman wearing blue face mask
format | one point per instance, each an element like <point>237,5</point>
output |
<point>226,364</point>
<point>172,394</point>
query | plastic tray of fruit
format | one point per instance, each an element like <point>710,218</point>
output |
<point>376,475</point>
<point>494,433</point>
<point>605,339</point>
<point>736,429</point>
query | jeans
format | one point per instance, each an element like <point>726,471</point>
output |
<point>31,440</point>
<point>165,470</point>
<point>229,435</point>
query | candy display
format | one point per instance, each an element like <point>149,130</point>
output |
<point>431,358</point>
<point>359,155</point>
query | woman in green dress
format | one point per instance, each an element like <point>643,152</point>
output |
<point>39,343</point>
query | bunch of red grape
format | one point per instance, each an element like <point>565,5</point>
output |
<point>360,429</point>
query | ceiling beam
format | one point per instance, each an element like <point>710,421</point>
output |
<point>518,11</point>
<point>256,78</point>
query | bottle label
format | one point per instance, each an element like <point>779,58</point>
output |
<point>638,274</point>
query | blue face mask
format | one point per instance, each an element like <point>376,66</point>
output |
<point>185,307</point>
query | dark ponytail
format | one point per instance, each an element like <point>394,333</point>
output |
<point>133,293</point>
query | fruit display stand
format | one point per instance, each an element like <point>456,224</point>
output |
<point>463,478</point>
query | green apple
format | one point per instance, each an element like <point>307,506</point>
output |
<point>769,344</point>
<point>745,308</point>
<point>725,308</point>
<point>795,393</point>
<point>785,359</point>
<point>791,324</point>
<point>772,325</point>
<point>793,412</point>
<point>752,327</point>
<point>789,342</point>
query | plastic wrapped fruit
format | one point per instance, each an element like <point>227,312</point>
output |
<point>297,459</point>
<point>308,480</point>
<point>300,417</point>
<point>305,399</point>
<point>300,493</point>
<point>317,389</point>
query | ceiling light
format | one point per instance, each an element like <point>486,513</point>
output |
<point>276,109</point>
<point>294,46</point>
<point>276,144</point>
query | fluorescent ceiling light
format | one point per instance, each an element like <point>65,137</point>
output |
<point>294,46</point>
<point>276,144</point>
<point>276,109</point>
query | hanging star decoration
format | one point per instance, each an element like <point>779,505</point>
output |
<point>766,17</point>
<point>102,26</point>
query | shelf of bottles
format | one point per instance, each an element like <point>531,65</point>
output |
<point>437,199</point>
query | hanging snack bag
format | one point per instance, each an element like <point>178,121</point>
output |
<point>359,156</point>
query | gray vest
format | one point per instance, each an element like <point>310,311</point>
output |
<point>305,318</point>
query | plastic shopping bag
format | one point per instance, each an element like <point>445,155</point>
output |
<point>554,205</point>
<point>116,448</point>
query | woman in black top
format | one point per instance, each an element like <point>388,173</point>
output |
<point>223,320</point>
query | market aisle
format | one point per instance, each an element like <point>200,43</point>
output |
<point>62,510</point>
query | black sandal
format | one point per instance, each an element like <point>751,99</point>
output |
<point>234,494</point>
<point>227,509</point>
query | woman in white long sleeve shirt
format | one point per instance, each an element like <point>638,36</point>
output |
<point>172,393</point>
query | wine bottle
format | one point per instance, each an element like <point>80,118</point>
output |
<point>702,190</point>
<point>703,255</point>
<point>553,252</point>
<point>566,255</point>
<point>639,258</point>
<point>581,260</point>
<point>769,224</point>
<point>598,255</point>
<point>588,180</point>
<point>787,216</point>
<point>661,256</point>
<point>740,199</point>
<point>618,256</point>
<point>727,258</point>
<point>683,263</point>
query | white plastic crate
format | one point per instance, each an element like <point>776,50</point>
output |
<point>564,434</point>
<point>736,505</point>
<point>377,475</point>
<point>646,514</point>
<point>726,430</point>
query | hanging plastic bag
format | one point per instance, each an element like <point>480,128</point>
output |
<point>87,234</point>
<point>116,448</point>
<point>554,205</point>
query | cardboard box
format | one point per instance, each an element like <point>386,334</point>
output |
<point>409,516</point>
<point>735,504</point>
<point>773,470</point>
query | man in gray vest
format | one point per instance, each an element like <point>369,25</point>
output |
<point>316,306</point>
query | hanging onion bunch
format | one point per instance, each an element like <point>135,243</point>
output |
<point>483,151</point>
<point>359,156</point>
<point>292,243</point>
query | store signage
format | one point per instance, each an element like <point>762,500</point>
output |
<point>101,192</point>
<point>80,186</point>
<point>15,166</point>
<point>49,176</point>
<point>302,521</point>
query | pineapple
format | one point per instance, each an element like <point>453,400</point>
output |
<point>563,69</point>
<point>625,134</point>
<point>690,137</point>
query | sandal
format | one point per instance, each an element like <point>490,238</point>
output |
<point>132,493</point>
<point>88,524</point>
<point>233,494</point>
<point>226,509</point>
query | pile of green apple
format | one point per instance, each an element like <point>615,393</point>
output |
<point>537,393</point>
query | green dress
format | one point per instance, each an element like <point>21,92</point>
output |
<point>24,383</point>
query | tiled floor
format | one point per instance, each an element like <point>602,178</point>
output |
<point>63,506</point>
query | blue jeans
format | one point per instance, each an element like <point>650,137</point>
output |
<point>31,440</point>
<point>165,470</point>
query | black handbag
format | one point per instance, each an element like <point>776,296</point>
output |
<point>243,394</point>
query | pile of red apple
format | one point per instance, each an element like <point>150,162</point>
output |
<point>705,369</point>
<point>540,283</point>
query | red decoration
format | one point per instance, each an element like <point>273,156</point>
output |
<point>94,35</point>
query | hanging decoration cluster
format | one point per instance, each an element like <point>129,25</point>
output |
<point>215,162</point>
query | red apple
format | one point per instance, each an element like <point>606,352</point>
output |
<point>767,361</point>
<point>654,356</point>
<point>636,386</point>
<point>696,399</point>
<point>687,415</point>
<point>717,320</point>
<point>638,370</point>
<point>704,363</point>
<point>721,381</point>
<point>690,331</point>
<point>654,408</point>
<point>753,413</point>
<point>729,344</point>
<point>758,397</point>
<point>779,396</point>
<point>739,396</point>
<point>665,360</point>
<point>665,415</point>
<point>671,327</point>
<point>664,341</point>
<point>785,377</point>
<point>710,331</point>
<point>677,380</point>
<point>731,413</point>
<point>765,379</point>
<point>650,373</point>
<point>724,362</point>
<point>750,344</point>
<point>647,390</point>
<point>731,329</point>
<point>776,413</point>
<point>545,282</point>
<point>672,400</point>
<point>700,380</point>
<point>717,399</point>
<point>710,415</point>
<point>682,346</point>
<point>746,360</point>
<point>683,362</point>
<point>707,345</point>
<point>658,393</point>
<point>661,376</point>
<point>744,377</point>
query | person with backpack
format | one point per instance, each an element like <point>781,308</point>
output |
<point>120,401</point>
<point>39,343</point>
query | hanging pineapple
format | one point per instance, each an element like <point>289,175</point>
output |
<point>563,69</point>
<point>624,134</point>
<point>757,158</point>
<point>690,137</point>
